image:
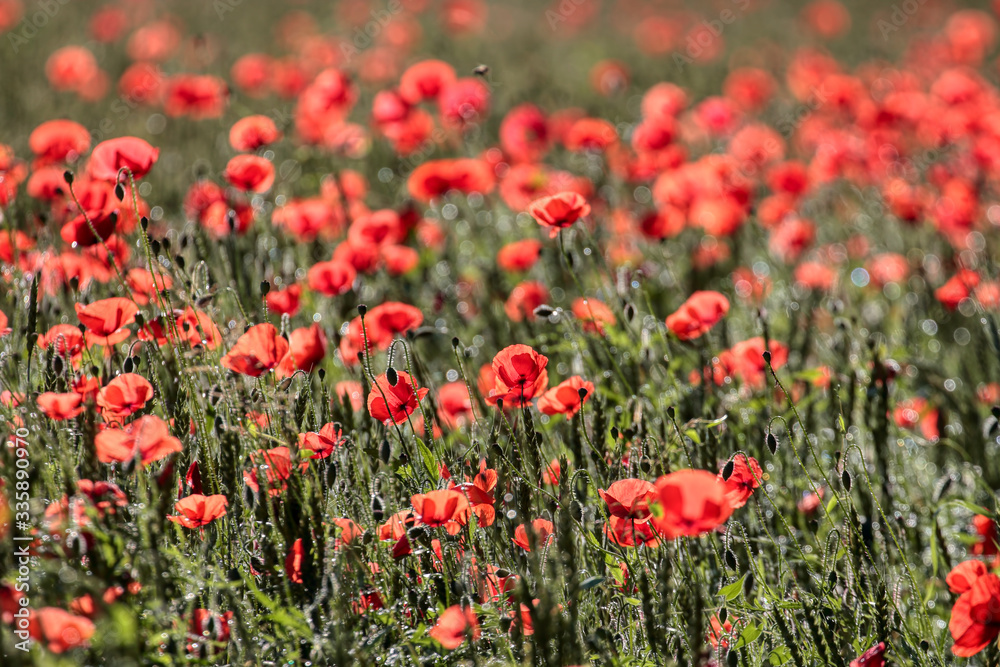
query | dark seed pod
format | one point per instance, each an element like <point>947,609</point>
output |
<point>733,659</point>
<point>500,404</point>
<point>68,177</point>
<point>144,222</point>
<point>140,319</point>
<point>831,579</point>
<point>772,443</point>
<point>265,287</point>
<point>544,310</point>
<point>128,365</point>
<point>179,261</point>
<point>120,192</point>
<point>996,411</point>
<point>378,508</point>
<point>391,376</point>
<point>748,585</point>
<point>645,464</point>
<point>671,412</point>
<point>57,364</point>
<point>576,511</point>
<point>614,432</point>
<point>845,477</point>
<point>74,283</point>
<point>454,342</point>
<point>362,309</point>
<point>629,312</point>
<point>322,374</point>
<point>385,451</point>
<point>582,392</point>
<point>731,561</point>
<point>767,357</point>
<point>723,615</point>
<point>727,472</point>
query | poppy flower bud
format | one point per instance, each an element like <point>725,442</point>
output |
<point>265,287</point>
<point>845,477</point>
<point>582,391</point>
<point>733,659</point>
<point>767,356</point>
<point>120,192</point>
<point>68,177</point>
<point>385,451</point>
<point>144,222</point>
<point>179,261</point>
<point>723,615</point>
<point>543,310</point>
<point>127,367</point>
<point>772,443</point>
<point>731,561</point>
<point>391,376</point>
<point>362,309</point>
<point>454,343</point>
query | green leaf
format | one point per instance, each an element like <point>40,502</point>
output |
<point>635,602</point>
<point>733,590</point>
<point>972,507</point>
<point>748,636</point>
<point>591,583</point>
<point>429,461</point>
<point>780,656</point>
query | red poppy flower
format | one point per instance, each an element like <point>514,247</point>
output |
<point>543,530</point>
<point>253,132</point>
<point>963,575</point>
<point>65,339</point>
<point>975,618</point>
<point>285,301</point>
<point>322,443</point>
<point>742,481</point>
<point>425,80</point>
<point>294,561</point>
<point>594,314</point>
<point>631,532</point>
<point>124,395</point>
<point>519,256</point>
<point>145,286</point>
<point>564,398</point>
<point>387,320</point>
<point>524,299</point>
<point>195,96</point>
<point>689,503</point>
<point>148,436</point>
<point>698,314</point>
<point>520,375</point>
<point>278,465</point>
<point>393,404</point>
<point>306,349</point>
<point>873,657</point>
<point>480,492</point>
<point>435,178</point>
<point>131,153</point>
<point>208,629</point>
<point>60,407</point>
<point>331,278</point>
<point>454,404</point>
<point>257,351</point>
<point>58,141</point>
<point>524,134</point>
<point>559,211</point>
<point>62,631</point>
<point>197,510</point>
<point>628,498</point>
<point>250,173</point>
<point>106,317</point>
<point>447,508</point>
<point>454,625</point>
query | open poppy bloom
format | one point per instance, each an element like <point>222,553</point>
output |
<point>628,498</point>
<point>689,503</point>
<point>873,657</point>
<point>742,481</point>
<point>257,351</point>
<point>593,314</point>
<point>331,278</point>
<point>520,375</point>
<point>113,155</point>
<point>393,404</point>
<point>631,532</point>
<point>698,314</point>
<point>106,317</point>
<point>480,494</point>
<point>565,398</point>
<point>322,443</point>
<point>559,211</point>
<point>250,173</point>
<point>59,407</point>
<point>454,625</point>
<point>60,630</point>
<point>975,618</point>
<point>277,464</point>
<point>197,510</point>
<point>543,530</point>
<point>148,437</point>
<point>306,349</point>
<point>124,395</point>
<point>446,508</point>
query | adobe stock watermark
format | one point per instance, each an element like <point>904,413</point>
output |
<point>34,21</point>
<point>698,41</point>
<point>22,537</point>
<point>562,13</point>
<point>364,35</point>
<point>901,13</point>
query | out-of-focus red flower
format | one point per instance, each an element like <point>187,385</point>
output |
<point>257,351</point>
<point>253,132</point>
<point>60,630</point>
<point>523,300</point>
<point>277,463</point>
<point>696,316</point>
<point>524,134</point>
<point>148,437</point>
<point>250,173</point>
<point>306,349</point>
<point>559,211</point>
<point>196,96</point>
<point>60,407</point>
<point>975,618</point>
<point>628,498</point>
<point>543,530</point>
<point>594,314</point>
<point>284,301</point>
<point>58,141</point>
<point>331,278</point>
<point>454,625</point>
<point>689,503</point>
<point>519,255</point>
<point>435,178</point>
<point>323,442</point>
<point>131,153</point>
<point>873,657</point>
<point>963,575</point>
<point>425,80</point>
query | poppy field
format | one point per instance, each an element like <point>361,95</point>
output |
<point>460,332</point>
